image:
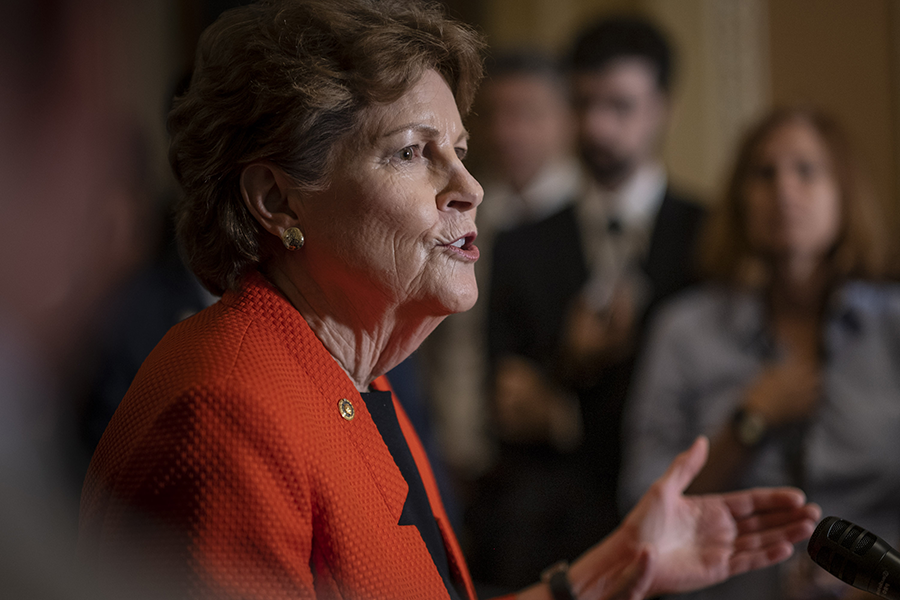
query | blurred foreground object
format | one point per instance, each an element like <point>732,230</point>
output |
<point>66,234</point>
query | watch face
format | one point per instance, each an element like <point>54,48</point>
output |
<point>750,428</point>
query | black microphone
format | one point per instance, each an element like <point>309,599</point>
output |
<point>856,556</point>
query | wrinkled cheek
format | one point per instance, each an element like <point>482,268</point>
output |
<point>407,263</point>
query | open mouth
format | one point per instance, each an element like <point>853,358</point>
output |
<point>464,242</point>
<point>465,245</point>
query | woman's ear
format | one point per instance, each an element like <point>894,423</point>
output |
<point>266,189</point>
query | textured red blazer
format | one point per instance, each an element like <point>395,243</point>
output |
<point>229,471</point>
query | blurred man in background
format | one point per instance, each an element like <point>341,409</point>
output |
<point>527,131</point>
<point>569,295</point>
<point>530,130</point>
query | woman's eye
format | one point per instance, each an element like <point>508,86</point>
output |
<point>461,153</point>
<point>806,170</point>
<point>764,172</point>
<point>407,153</point>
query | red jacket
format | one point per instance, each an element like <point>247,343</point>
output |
<point>230,468</point>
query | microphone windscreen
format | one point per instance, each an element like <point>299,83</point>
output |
<point>856,556</point>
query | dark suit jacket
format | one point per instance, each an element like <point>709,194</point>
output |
<point>530,507</point>
<point>249,482</point>
<point>538,269</point>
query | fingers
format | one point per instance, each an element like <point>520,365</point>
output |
<point>769,537</point>
<point>790,533</point>
<point>686,465</point>
<point>769,522</point>
<point>767,516</point>
<point>776,519</point>
<point>741,562</point>
<point>745,503</point>
<point>777,516</point>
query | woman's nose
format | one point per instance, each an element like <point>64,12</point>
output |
<point>462,191</point>
<point>784,186</point>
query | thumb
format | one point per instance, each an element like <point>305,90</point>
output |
<point>686,465</point>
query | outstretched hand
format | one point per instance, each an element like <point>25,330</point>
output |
<point>691,542</point>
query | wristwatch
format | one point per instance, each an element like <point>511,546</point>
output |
<point>557,578</point>
<point>750,427</point>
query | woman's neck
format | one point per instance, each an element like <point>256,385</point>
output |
<point>799,287</point>
<point>366,336</point>
<point>797,298</point>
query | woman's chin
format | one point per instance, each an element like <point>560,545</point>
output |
<point>460,300</point>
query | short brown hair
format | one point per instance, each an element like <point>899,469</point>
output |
<point>862,249</point>
<point>286,81</point>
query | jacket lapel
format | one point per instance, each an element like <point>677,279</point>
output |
<point>458,568</point>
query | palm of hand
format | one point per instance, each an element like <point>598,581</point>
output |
<point>696,543</point>
<point>694,538</point>
<point>699,541</point>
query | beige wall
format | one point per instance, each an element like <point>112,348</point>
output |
<point>547,24</point>
<point>736,58</point>
<point>841,56</point>
<point>719,82</point>
<point>722,83</point>
<point>739,57</point>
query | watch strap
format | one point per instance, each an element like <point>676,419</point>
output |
<point>557,579</point>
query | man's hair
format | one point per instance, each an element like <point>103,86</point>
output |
<point>287,82</point>
<point>623,37</point>
<point>525,61</point>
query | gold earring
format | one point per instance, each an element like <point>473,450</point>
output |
<point>292,238</point>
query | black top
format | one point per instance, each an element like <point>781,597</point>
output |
<point>539,268</point>
<point>530,510</point>
<point>416,509</point>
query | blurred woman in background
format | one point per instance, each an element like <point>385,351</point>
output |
<point>789,360</point>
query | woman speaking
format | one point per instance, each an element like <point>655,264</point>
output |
<point>260,453</point>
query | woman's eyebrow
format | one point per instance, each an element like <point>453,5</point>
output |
<point>425,129</point>
<point>417,127</point>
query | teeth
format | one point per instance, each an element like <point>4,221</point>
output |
<point>459,243</point>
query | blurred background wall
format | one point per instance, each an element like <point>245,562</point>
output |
<point>736,59</point>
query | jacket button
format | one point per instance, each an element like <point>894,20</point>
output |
<point>346,409</point>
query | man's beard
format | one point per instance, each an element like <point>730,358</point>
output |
<point>608,168</point>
